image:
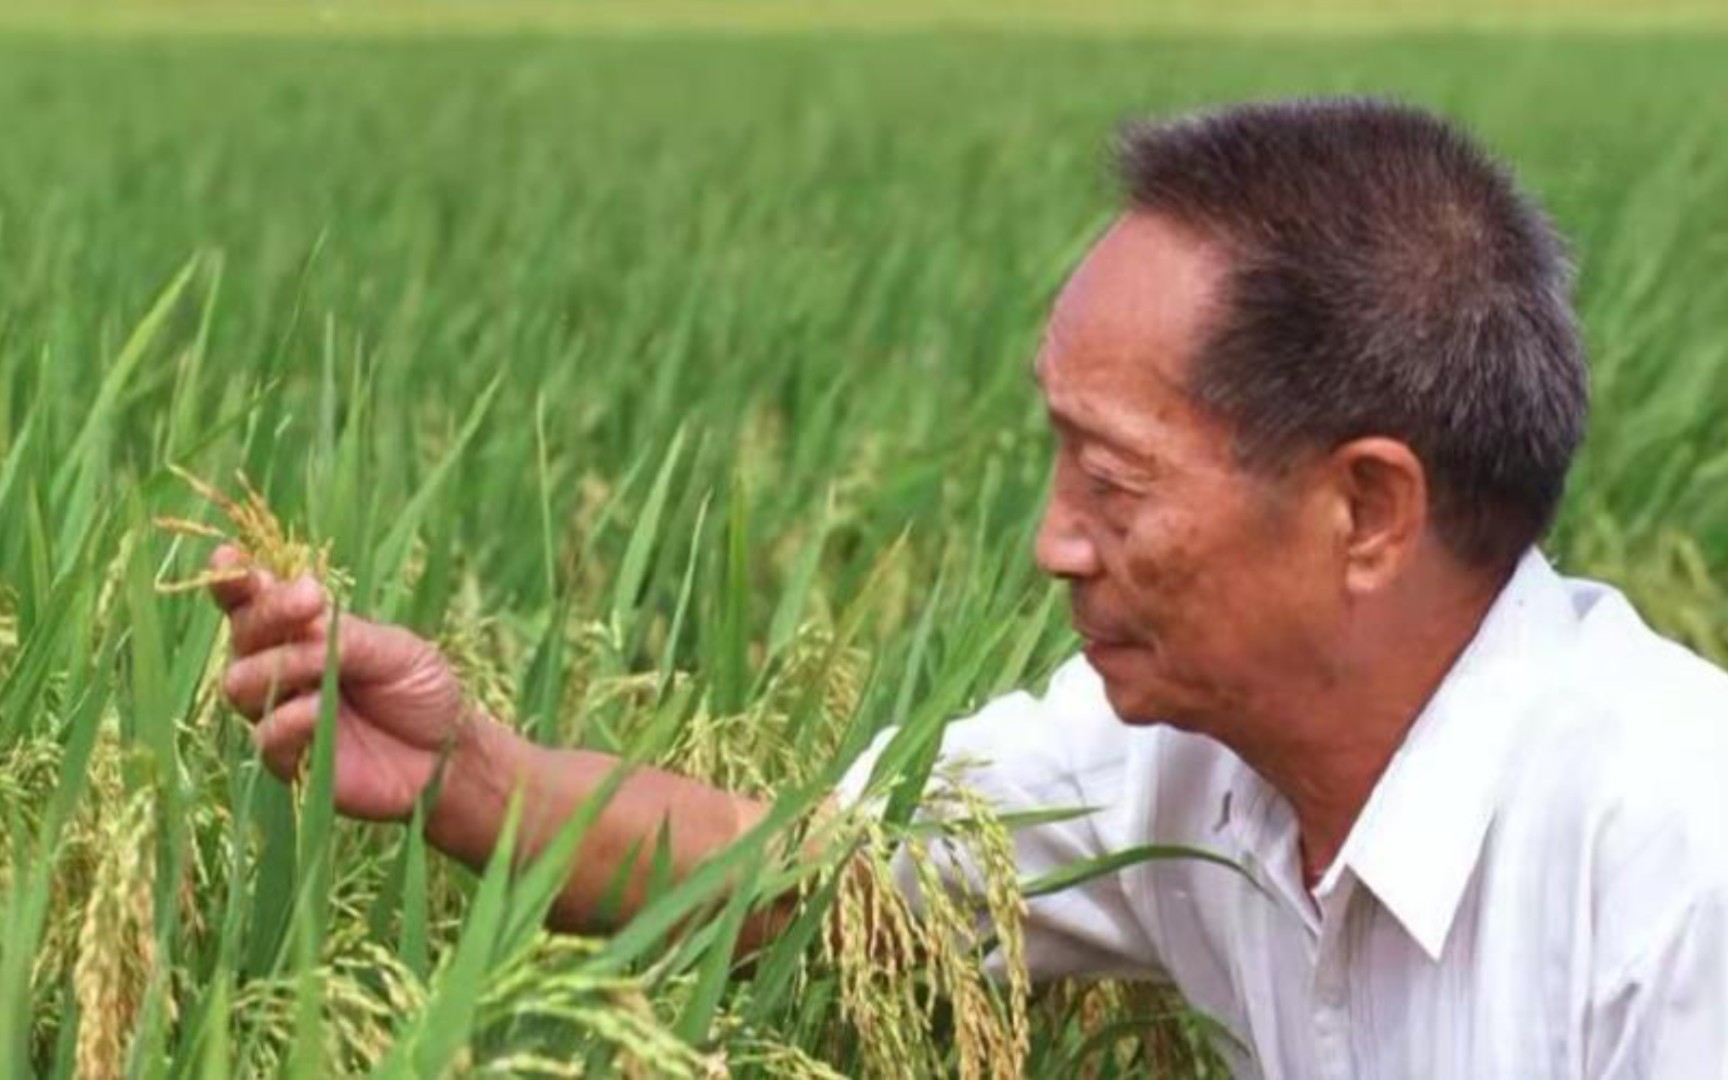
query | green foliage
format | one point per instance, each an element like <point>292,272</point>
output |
<point>677,386</point>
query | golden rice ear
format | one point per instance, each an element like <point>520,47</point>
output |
<point>900,960</point>
<point>247,489</point>
<point>200,581</point>
<point>116,940</point>
<point>257,531</point>
<point>188,527</point>
<point>203,488</point>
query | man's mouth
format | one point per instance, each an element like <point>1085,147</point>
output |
<point>1101,645</point>
<point>1098,639</point>
<point>1103,655</point>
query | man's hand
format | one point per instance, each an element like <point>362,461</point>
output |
<point>400,704</point>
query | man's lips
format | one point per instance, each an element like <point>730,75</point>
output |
<point>1104,656</point>
<point>1098,638</point>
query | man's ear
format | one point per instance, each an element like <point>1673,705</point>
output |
<point>1383,494</point>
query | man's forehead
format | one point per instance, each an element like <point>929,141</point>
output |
<point>1128,322</point>
<point>1136,307</point>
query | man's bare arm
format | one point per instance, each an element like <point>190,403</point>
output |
<point>489,762</point>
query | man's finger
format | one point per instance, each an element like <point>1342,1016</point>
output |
<point>369,653</point>
<point>274,675</point>
<point>283,736</point>
<point>235,592</point>
<point>276,615</point>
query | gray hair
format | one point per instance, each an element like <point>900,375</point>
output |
<point>1386,278</point>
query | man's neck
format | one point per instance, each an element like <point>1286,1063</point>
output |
<point>1328,747</point>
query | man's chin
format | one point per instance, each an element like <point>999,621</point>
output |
<point>1141,693</point>
<point>1125,684</point>
<point>1133,711</point>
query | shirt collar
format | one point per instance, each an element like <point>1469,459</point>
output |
<point>1416,843</point>
<point>1418,838</point>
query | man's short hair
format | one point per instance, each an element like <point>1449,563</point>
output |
<point>1386,278</point>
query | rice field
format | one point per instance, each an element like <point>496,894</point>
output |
<point>676,383</point>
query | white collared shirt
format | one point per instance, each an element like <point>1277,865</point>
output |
<point>1537,886</point>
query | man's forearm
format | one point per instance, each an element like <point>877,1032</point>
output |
<point>490,762</point>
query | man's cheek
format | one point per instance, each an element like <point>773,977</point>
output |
<point>1159,560</point>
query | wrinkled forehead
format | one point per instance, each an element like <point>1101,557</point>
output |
<point>1125,327</point>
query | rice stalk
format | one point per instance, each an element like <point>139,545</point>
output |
<point>545,996</point>
<point>30,769</point>
<point>482,651</point>
<point>908,961</point>
<point>117,940</point>
<point>779,740</point>
<point>745,1049</point>
<point>8,628</point>
<point>367,992</point>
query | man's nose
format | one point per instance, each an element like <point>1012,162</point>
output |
<point>1063,548</point>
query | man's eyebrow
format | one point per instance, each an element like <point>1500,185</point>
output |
<point>1092,430</point>
<point>1104,430</point>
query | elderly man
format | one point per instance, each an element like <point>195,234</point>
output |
<point>1315,394</point>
